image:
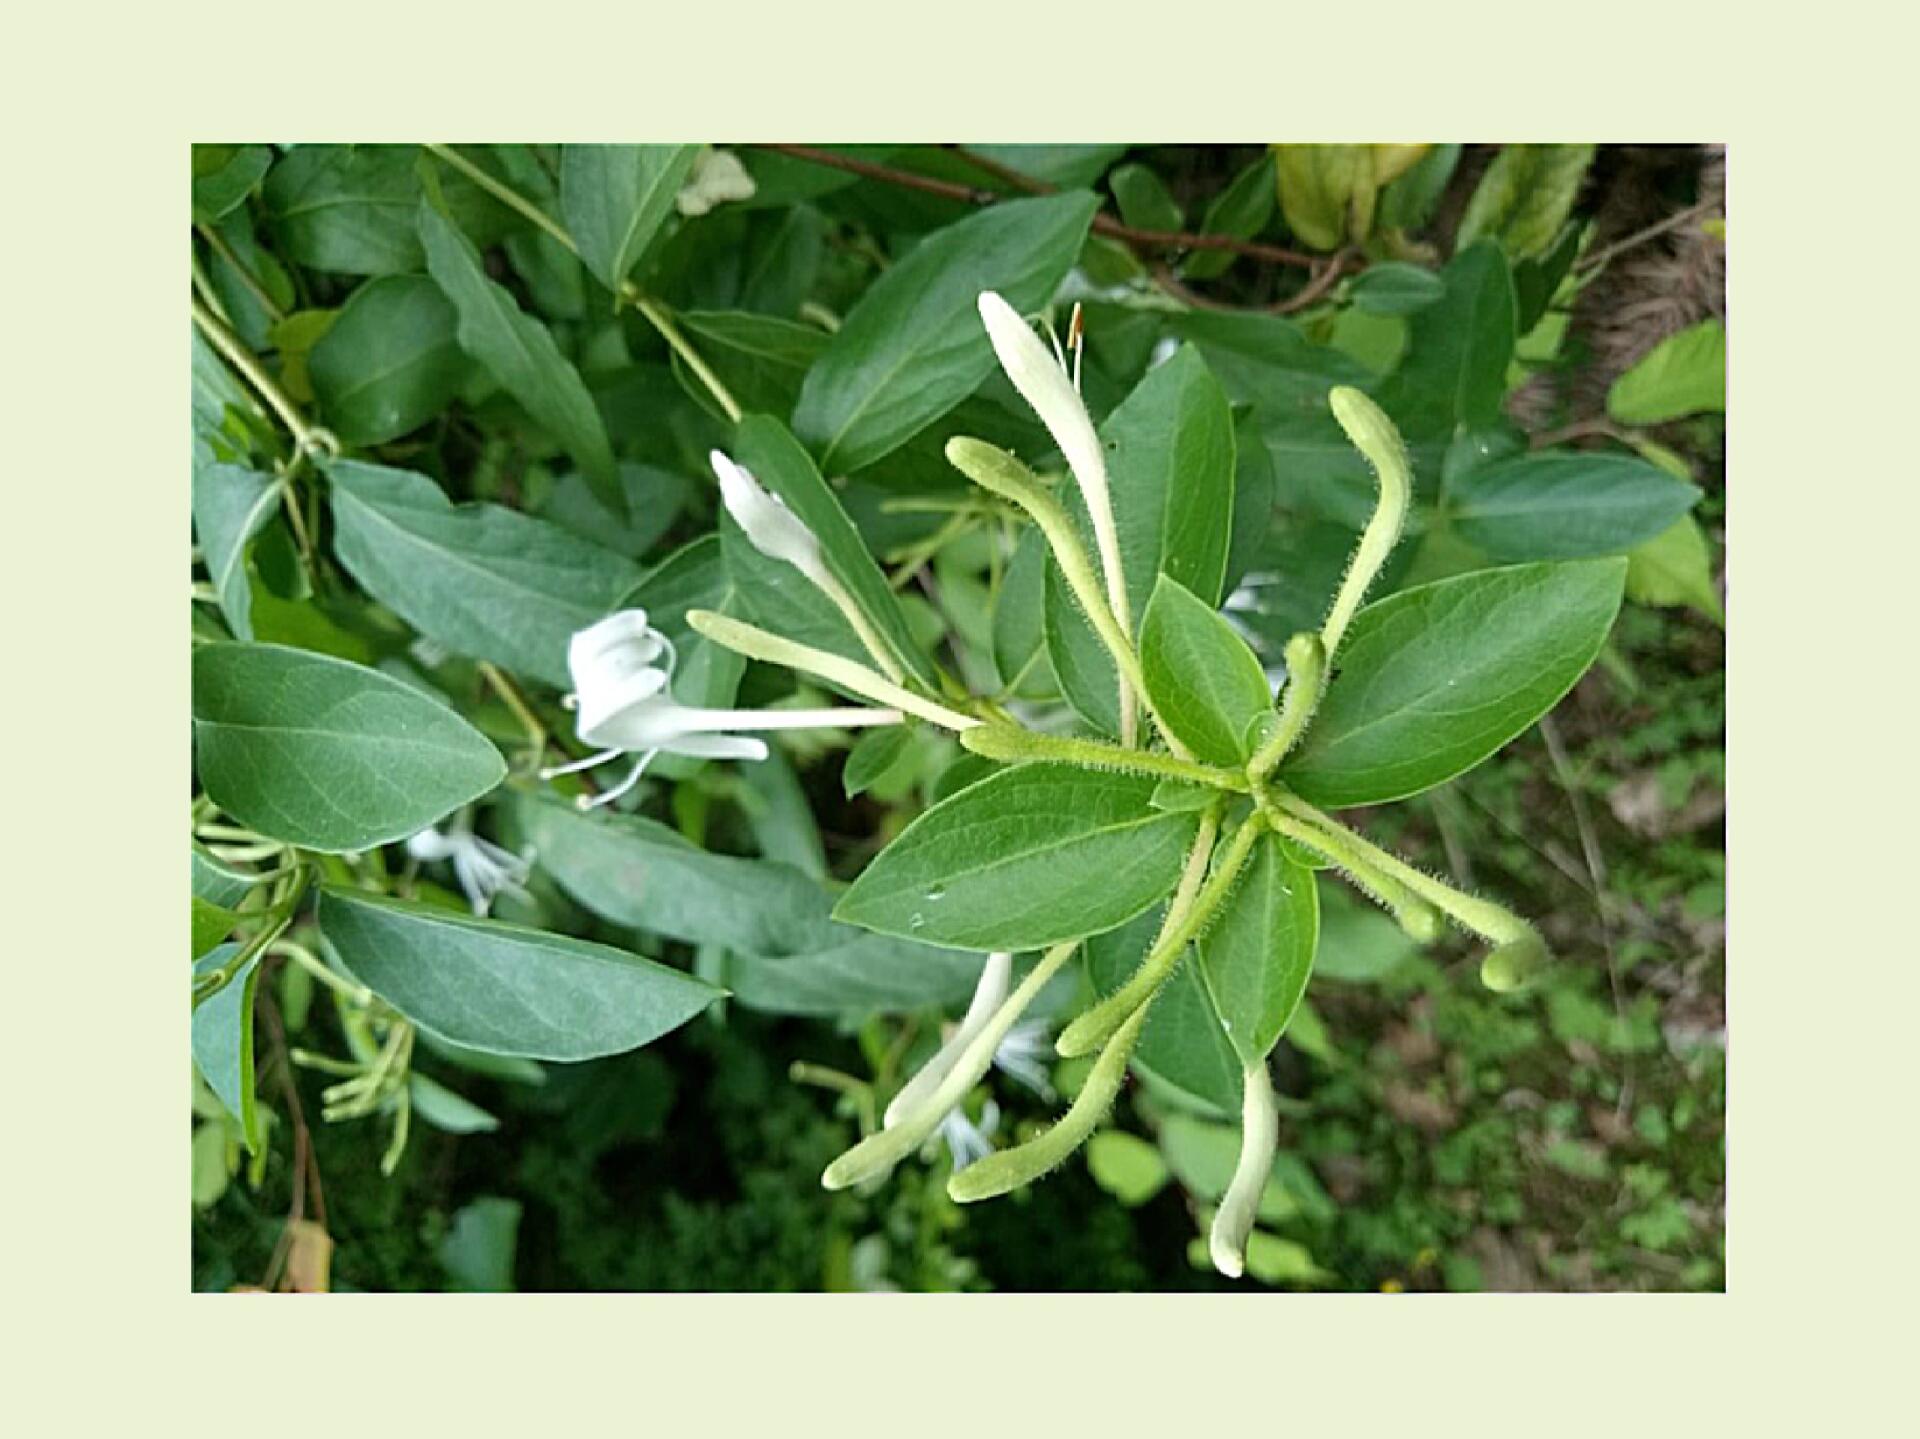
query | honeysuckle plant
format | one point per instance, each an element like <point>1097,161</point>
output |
<point>515,467</point>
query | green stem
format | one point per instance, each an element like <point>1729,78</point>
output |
<point>1024,1163</point>
<point>870,638</point>
<point>1183,923</point>
<point>306,959</point>
<point>306,437</point>
<point>758,644</point>
<point>273,924</point>
<point>226,252</point>
<point>1419,919</point>
<point>995,470</point>
<point>1012,744</point>
<point>502,192</point>
<point>1373,434</point>
<point>1519,948</point>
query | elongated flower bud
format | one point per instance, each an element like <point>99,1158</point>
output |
<point>768,524</point>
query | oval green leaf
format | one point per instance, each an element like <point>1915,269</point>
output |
<point>329,755</point>
<point>1205,683</point>
<point>1434,679</point>
<point>1026,858</point>
<point>1257,955</point>
<point>391,361</point>
<point>502,988</point>
<point>615,198</point>
<point>1565,505</point>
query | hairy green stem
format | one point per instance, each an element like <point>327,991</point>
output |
<point>1306,681</point>
<point>1518,948</point>
<point>1419,919</point>
<point>1182,925</point>
<point>1014,745</point>
<point>758,644</point>
<point>1010,1168</point>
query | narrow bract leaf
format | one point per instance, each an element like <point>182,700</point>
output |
<point>480,579</point>
<point>1565,505</point>
<point>1258,953</point>
<point>1434,679</point>
<point>1027,858</point>
<point>913,347</point>
<point>873,757</point>
<point>519,352</point>
<point>1205,683</point>
<point>329,755</point>
<point>230,505</point>
<point>502,988</point>
<point>615,198</point>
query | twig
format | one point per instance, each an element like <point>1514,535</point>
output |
<point>1640,237</point>
<point>1104,224</point>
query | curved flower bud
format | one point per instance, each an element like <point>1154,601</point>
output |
<point>1044,383</point>
<point>989,993</point>
<point>769,525</point>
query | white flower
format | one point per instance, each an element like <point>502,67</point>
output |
<point>769,525</point>
<point>1044,382</point>
<point>718,176</point>
<point>626,706</point>
<point>989,993</point>
<point>967,1141</point>
<point>1026,1055</point>
<point>1164,349</point>
<point>482,867</point>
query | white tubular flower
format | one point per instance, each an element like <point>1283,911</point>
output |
<point>1044,383</point>
<point>1026,1056</point>
<point>718,176</point>
<point>989,993</point>
<point>968,1142</point>
<point>626,707</point>
<point>773,529</point>
<point>482,867</point>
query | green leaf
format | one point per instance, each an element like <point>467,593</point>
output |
<point>860,974</point>
<point>873,757</point>
<point>346,208</point>
<point>219,883</point>
<point>503,988</point>
<point>1458,350</point>
<point>1526,196</point>
<point>761,359</point>
<point>1204,681</point>
<point>615,198</point>
<point>1675,567</point>
<point>329,755</point>
<point>445,1110</point>
<point>1685,374</point>
<point>211,924</point>
<point>1019,619</point>
<point>480,579</point>
<point>1145,201</point>
<point>1240,210</point>
<point>914,347</point>
<point>1394,288</point>
<point>655,498</point>
<point>1066,166</point>
<point>1031,856</point>
<point>391,362</point>
<point>1258,953</point>
<point>1126,1166</point>
<point>230,505</point>
<point>223,1040</point>
<point>223,177</point>
<point>519,352</point>
<point>775,458</point>
<point>638,872</point>
<point>1565,505</point>
<point>1433,680</point>
<point>1170,470</point>
<point>1267,361</point>
<point>1408,202</point>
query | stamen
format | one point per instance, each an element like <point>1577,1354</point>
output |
<point>626,784</point>
<point>1076,341</point>
<point>588,763</point>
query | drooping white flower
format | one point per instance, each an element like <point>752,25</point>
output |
<point>773,529</point>
<point>989,993</point>
<point>625,706</point>
<point>1045,382</point>
<point>968,1142</point>
<point>717,177</point>
<point>483,868</point>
